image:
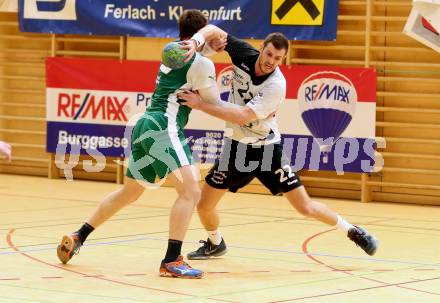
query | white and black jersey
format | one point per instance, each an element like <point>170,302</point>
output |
<point>258,142</point>
<point>263,94</point>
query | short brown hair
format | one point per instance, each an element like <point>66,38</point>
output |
<point>278,40</point>
<point>190,22</point>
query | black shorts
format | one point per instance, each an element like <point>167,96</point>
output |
<point>240,163</point>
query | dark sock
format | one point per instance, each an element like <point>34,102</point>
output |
<point>173,251</point>
<point>85,231</point>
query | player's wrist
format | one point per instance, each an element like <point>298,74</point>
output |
<point>201,104</point>
<point>199,39</point>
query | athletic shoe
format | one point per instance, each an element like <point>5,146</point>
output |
<point>179,269</point>
<point>208,250</point>
<point>69,246</point>
<point>362,238</point>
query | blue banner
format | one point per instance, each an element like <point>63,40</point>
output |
<point>87,139</point>
<point>297,19</point>
<point>349,155</point>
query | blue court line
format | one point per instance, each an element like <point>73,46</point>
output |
<point>242,247</point>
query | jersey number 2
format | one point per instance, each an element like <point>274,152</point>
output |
<point>282,172</point>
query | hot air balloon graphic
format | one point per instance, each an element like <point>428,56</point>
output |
<point>327,102</point>
<point>224,82</point>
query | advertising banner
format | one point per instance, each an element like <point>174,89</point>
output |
<point>327,121</point>
<point>90,102</point>
<point>298,19</point>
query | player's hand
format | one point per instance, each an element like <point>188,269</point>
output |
<point>190,46</point>
<point>190,98</point>
<point>272,115</point>
<point>219,44</point>
<point>5,150</point>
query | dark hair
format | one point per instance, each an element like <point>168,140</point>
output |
<point>278,40</point>
<point>190,22</point>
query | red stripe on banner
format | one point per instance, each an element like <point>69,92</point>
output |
<point>364,79</point>
<point>101,74</point>
<point>140,76</point>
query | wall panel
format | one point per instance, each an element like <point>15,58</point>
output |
<point>369,35</point>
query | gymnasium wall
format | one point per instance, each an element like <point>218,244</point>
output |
<point>369,35</point>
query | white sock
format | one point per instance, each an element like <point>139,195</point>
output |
<point>215,236</point>
<point>343,225</point>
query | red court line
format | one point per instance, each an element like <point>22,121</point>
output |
<point>354,290</point>
<point>385,284</point>
<point>12,245</point>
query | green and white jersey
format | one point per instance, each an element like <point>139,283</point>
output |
<point>199,73</point>
<point>158,144</point>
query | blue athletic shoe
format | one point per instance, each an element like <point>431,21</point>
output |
<point>179,269</point>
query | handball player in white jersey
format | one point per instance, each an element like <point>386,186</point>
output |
<point>252,136</point>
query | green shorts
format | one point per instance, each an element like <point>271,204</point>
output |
<point>157,148</point>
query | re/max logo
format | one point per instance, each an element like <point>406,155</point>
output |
<point>96,107</point>
<point>328,92</point>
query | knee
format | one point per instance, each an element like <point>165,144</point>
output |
<point>130,195</point>
<point>196,194</point>
<point>191,194</point>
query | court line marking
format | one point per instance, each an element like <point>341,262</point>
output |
<point>94,202</point>
<point>11,244</point>
<point>266,249</point>
<point>384,284</point>
<point>278,286</point>
<point>114,218</point>
<point>354,290</point>
<point>317,223</point>
<point>74,293</point>
<point>367,216</point>
<point>143,238</point>
<point>333,293</point>
<point>77,222</point>
<point>24,299</point>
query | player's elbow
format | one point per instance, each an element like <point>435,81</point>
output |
<point>244,119</point>
<point>241,121</point>
<point>211,31</point>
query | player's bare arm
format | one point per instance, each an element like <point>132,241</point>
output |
<point>210,37</point>
<point>229,112</point>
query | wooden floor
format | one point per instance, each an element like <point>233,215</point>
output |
<point>275,255</point>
